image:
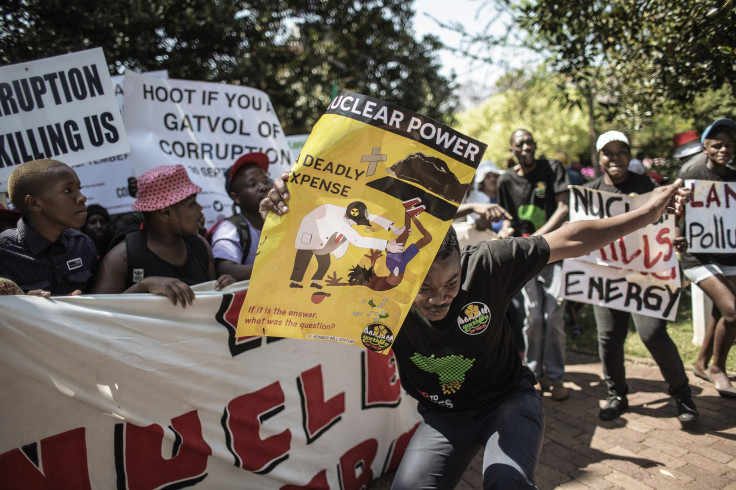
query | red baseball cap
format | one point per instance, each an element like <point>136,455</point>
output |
<point>257,157</point>
<point>685,144</point>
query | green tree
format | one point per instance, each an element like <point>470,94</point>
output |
<point>295,51</point>
<point>628,57</point>
<point>529,101</point>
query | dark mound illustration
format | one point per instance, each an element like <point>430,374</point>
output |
<point>431,173</point>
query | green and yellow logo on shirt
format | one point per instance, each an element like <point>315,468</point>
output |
<point>474,318</point>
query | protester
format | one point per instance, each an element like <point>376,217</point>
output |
<point>535,193</point>
<point>486,192</point>
<point>96,227</point>
<point>474,391</point>
<point>636,165</point>
<point>47,254</point>
<point>235,239</point>
<point>169,255</point>
<point>687,149</point>
<point>614,154</point>
<point>572,170</point>
<point>715,274</point>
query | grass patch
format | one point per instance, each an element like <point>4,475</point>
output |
<point>681,332</point>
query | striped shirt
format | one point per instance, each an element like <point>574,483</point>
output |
<point>32,262</point>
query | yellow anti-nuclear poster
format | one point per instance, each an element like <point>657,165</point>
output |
<point>372,194</point>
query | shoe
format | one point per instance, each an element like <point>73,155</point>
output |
<point>410,203</point>
<point>686,411</point>
<point>729,392</point>
<point>315,285</point>
<point>615,406</point>
<point>295,285</point>
<point>416,211</point>
<point>559,392</point>
<point>702,374</point>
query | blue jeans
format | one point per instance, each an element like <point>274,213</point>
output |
<point>445,442</point>
<point>544,324</point>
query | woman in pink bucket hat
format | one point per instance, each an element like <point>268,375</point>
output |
<point>167,255</point>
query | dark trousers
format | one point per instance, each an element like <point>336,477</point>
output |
<point>301,262</point>
<point>613,325</point>
<point>445,442</point>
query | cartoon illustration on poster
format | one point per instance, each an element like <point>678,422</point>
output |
<point>372,194</point>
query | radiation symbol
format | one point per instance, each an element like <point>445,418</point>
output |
<point>355,212</point>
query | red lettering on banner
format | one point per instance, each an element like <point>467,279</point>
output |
<point>693,202</point>
<point>242,422</point>
<point>648,263</point>
<point>396,452</point>
<point>381,385</point>
<point>62,464</point>
<point>318,414</point>
<point>663,239</point>
<point>712,197</point>
<point>319,482</point>
<point>354,470</point>
<point>624,258</point>
<point>144,467</point>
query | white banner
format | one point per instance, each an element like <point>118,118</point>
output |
<point>648,249</point>
<point>128,391</point>
<point>63,108</point>
<point>710,220</point>
<point>203,126</point>
<point>654,294</point>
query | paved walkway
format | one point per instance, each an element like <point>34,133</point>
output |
<point>645,448</point>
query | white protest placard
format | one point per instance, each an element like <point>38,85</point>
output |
<point>62,108</point>
<point>205,127</point>
<point>654,294</point>
<point>648,249</point>
<point>710,220</point>
<point>105,182</point>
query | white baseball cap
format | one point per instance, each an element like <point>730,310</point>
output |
<point>610,136</point>
<point>484,168</point>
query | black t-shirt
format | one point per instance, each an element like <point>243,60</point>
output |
<point>700,171</point>
<point>531,198</point>
<point>634,184</point>
<point>468,360</point>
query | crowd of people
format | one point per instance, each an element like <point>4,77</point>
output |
<point>53,243</point>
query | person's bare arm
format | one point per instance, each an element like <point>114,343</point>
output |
<point>110,278</point>
<point>223,279</point>
<point>241,272</point>
<point>558,217</point>
<point>491,212</point>
<point>582,237</point>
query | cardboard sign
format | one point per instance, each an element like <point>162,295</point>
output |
<point>648,249</point>
<point>205,127</point>
<point>710,220</point>
<point>373,193</point>
<point>62,108</point>
<point>650,294</point>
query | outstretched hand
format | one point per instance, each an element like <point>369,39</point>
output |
<point>669,199</point>
<point>276,198</point>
